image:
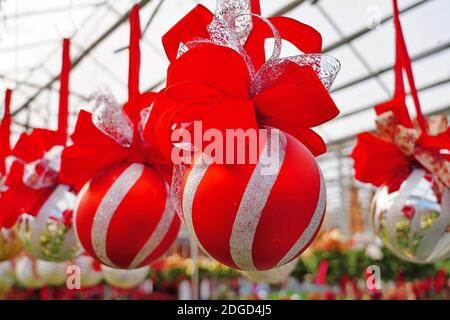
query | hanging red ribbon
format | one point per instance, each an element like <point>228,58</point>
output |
<point>398,147</point>
<point>63,114</point>
<point>29,152</point>
<point>5,128</point>
<point>93,150</point>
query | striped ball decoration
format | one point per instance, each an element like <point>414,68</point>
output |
<point>256,216</point>
<point>124,216</point>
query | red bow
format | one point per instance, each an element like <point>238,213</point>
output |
<point>31,178</point>
<point>212,82</point>
<point>115,138</point>
<point>398,146</point>
<point>20,196</point>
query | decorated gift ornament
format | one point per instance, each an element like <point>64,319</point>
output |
<point>124,216</point>
<point>125,279</point>
<point>10,244</point>
<point>90,271</point>
<point>410,162</point>
<point>52,273</point>
<point>274,276</point>
<point>250,216</point>
<point>50,234</point>
<point>414,220</point>
<point>32,187</point>
<point>26,273</point>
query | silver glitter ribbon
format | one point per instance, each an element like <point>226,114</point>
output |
<point>254,200</point>
<point>109,118</point>
<point>230,27</point>
<point>108,206</point>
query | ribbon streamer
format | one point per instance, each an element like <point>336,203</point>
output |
<point>399,145</point>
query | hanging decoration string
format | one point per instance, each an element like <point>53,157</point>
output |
<point>404,63</point>
<point>134,57</point>
<point>5,126</point>
<point>63,115</point>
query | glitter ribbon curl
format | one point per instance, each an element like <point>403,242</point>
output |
<point>219,75</point>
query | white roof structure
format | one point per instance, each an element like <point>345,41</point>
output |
<point>359,33</point>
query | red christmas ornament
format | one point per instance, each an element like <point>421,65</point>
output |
<point>252,220</point>
<point>124,216</point>
<point>252,216</point>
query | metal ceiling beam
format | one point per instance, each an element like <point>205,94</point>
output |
<point>363,31</point>
<point>420,89</point>
<point>32,13</point>
<point>355,51</point>
<point>147,25</point>
<point>33,85</point>
<point>288,7</point>
<point>29,45</point>
<point>283,10</point>
<point>417,57</point>
<point>80,58</point>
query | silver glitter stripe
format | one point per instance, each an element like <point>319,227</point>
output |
<point>311,229</point>
<point>254,200</point>
<point>191,185</point>
<point>436,232</point>
<point>158,234</point>
<point>108,206</point>
<point>40,222</point>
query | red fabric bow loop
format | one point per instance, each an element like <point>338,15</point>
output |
<point>377,161</point>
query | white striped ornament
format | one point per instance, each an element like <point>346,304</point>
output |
<point>104,214</point>
<point>48,223</point>
<point>251,209</point>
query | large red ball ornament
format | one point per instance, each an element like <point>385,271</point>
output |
<point>124,217</point>
<point>256,216</point>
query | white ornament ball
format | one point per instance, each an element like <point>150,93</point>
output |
<point>52,273</point>
<point>125,279</point>
<point>7,275</point>
<point>26,273</point>
<point>89,276</point>
<point>413,220</point>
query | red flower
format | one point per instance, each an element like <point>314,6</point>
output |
<point>408,211</point>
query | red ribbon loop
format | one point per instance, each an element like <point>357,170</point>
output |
<point>63,114</point>
<point>212,82</point>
